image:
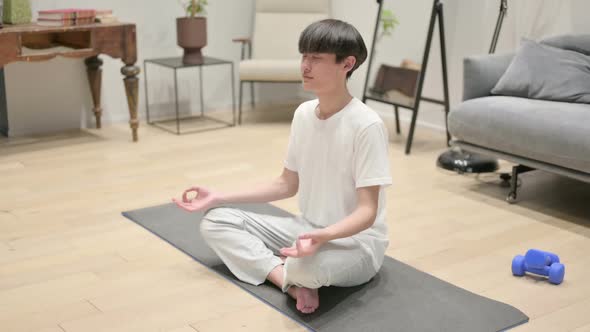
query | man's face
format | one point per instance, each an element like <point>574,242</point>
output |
<point>321,73</point>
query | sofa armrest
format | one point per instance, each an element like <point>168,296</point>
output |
<point>481,73</point>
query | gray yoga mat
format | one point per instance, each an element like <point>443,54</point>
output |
<point>398,298</point>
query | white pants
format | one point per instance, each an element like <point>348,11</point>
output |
<point>248,243</point>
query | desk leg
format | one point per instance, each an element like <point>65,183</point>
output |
<point>94,79</point>
<point>132,89</point>
<point>3,107</point>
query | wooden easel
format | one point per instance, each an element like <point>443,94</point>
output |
<point>437,12</point>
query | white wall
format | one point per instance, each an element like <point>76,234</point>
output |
<point>580,10</point>
<point>46,96</point>
<point>62,100</point>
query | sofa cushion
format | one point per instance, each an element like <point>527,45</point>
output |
<point>544,72</point>
<point>482,72</point>
<point>578,43</point>
<point>551,132</point>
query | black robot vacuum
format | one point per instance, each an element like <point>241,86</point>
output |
<point>460,161</point>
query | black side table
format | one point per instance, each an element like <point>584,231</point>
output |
<point>176,63</point>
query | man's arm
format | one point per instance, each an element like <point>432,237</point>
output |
<point>284,186</point>
<point>360,219</point>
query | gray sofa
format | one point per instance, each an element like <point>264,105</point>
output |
<point>534,134</point>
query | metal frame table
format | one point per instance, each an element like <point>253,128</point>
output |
<point>176,63</point>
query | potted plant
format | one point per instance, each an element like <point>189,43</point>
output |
<point>191,31</point>
<point>15,12</point>
<point>388,23</point>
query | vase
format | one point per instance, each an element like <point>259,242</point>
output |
<point>191,33</point>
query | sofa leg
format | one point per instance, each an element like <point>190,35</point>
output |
<point>511,198</point>
<point>505,177</point>
<point>516,170</point>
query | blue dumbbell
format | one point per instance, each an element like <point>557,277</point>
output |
<point>541,263</point>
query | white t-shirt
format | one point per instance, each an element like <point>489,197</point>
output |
<point>335,156</point>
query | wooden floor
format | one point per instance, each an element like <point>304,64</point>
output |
<point>70,262</point>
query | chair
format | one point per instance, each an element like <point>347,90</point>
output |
<point>273,54</point>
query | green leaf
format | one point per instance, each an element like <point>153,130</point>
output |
<point>388,22</point>
<point>194,7</point>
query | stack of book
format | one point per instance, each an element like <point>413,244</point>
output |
<point>66,17</point>
<point>105,16</point>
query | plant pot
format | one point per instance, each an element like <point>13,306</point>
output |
<point>191,34</point>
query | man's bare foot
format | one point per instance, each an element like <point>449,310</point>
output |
<point>308,300</point>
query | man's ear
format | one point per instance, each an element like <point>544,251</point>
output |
<point>349,62</point>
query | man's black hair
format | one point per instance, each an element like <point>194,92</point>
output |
<point>335,37</point>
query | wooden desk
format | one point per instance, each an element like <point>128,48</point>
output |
<point>31,42</point>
